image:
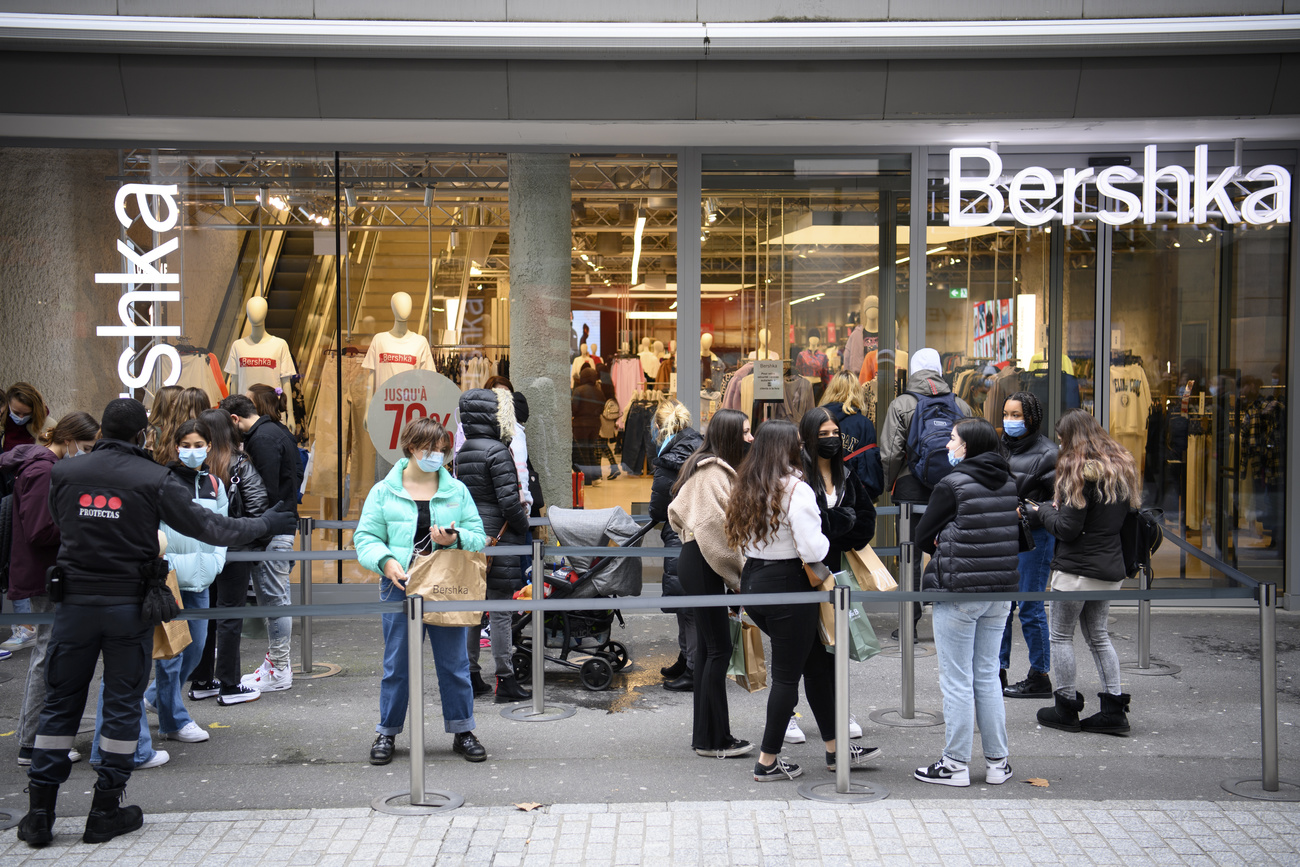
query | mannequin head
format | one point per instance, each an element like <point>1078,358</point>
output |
<point>672,347</point>
<point>658,347</point>
<point>256,309</point>
<point>762,338</point>
<point>871,313</point>
<point>593,349</point>
<point>583,351</point>
<point>645,345</point>
<point>401,304</point>
<point>814,342</point>
<point>706,344</point>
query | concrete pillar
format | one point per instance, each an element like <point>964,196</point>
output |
<point>540,312</point>
<point>57,229</point>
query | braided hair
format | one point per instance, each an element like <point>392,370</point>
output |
<point>1033,411</point>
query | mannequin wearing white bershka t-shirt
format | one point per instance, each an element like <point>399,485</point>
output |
<point>383,365</point>
<point>266,352</point>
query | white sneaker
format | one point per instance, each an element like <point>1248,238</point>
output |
<point>73,756</point>
<point>262,671</point>
<point>149,708</point>
<point>855,730</point>
<point>945,772</point>
<point>998,772</point>
<point>22,637</point>
<point>794,734</point>
<point>5,654</point>
<point>191,733</point>
<point>160,758</point>
<point>273,679</point>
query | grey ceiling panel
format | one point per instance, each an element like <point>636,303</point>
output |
<point>1286,98</point>
<point>982,10</point>
<point>61,7</point>
<point>754,90</point>
<point>203,86</point>
<point>413,10</point>
<point>219,8</point>
<point>1177,86</point>
<point>592,90</point>
<point>792,10</point>
<point>42,83</point>
<point>981,88</point>
<point>1291,7</point>
<point>1178,8</point>
<point>599,10</point>
<point>473,89</point>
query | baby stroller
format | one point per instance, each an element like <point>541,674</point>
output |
<point>582,638</point>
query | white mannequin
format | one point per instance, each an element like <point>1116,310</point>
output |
<point>659,351</point>
<point>260,357</point>
<point>706,345</point>
<point>763,351</point>
<point>672,348</point>
<point>871,314</point>
<point>401,306</point>
<point>385,358</point>
<point>649,359</point>
<point>583,360</point>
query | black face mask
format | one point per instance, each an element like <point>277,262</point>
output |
<point>829,447</point>
<point>744,450</point>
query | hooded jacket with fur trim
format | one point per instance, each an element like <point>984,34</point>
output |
<point>485,465</point>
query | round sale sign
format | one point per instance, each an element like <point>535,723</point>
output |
<point>405,397</point>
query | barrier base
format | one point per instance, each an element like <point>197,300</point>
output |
<point>9,820</point>
<point>1287,790</point>
<point>895,651</point>
<point>399,803</point>
<point>858,793</point>
<point>5,677</point>
<point>893,717</point>
<point>1159,668</point>
<point>524,712</point>
<point>318,670</point>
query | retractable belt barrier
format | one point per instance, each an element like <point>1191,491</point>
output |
<point>841,598</point>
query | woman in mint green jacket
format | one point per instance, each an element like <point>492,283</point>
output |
<point>420,508</point>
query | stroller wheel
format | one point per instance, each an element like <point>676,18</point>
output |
<point>616,653</point>
<point>596,673</point>
<point>523,666</point>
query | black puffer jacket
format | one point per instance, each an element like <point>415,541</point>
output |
<point>1033,463</point>
<point>486,467</point>
<point>666,466</point>
<point>971,528</point>
<point>1087,540</point>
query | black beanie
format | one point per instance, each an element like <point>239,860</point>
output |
<point>124,418</point>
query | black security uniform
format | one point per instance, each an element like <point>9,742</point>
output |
<point>108,506</point>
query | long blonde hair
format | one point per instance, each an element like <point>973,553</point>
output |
<point>1089,454</point>
<point>26,393</point>
<point>671,418</point>
<point>846,391</point>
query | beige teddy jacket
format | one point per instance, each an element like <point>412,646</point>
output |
<point>699,513</point>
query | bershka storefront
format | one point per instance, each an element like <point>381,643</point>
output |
<point>1141,270</point>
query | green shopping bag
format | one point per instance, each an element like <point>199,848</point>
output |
<point>863,643</point>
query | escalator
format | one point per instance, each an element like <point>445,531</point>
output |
<point>287,283</point>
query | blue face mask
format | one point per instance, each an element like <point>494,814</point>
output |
<point>1014,427</point>
<point>192,458</point>
<point>19,420</point>
<point>953,460</point>
<point>430,463</point>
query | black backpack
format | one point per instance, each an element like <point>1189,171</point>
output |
<point>1140,538</point>
<point>928,435</point>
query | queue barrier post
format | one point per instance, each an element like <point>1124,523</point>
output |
<point>537,710</point>
<point>422,801</point>
<point>906,715</point>
<point>842,791</point>
<point>307,667</point>
<point>1145,665</point>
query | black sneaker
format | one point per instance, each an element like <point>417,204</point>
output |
<point>381,751</point>
<point>201,689</point>
<point>734,749</point>
<point>857,756</point>
<point>236,693</point>
<point>468,746</point>
<point>778,770</point>
<point>1035,685</point>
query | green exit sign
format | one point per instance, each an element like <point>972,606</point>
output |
<point>956,293</point>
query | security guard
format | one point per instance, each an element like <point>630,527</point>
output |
<point>108,506</point>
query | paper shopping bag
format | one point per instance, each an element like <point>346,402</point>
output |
<point>870,572</point>
<point>863,643</point>
<point>172,637</point>
<point>449,575</point>
<point>755,674</point>
<point>826,612</point>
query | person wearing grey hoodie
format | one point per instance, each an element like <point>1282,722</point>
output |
<point>925,377</point>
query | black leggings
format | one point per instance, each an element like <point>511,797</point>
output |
<point>712,651</point>
<point>797,650</point>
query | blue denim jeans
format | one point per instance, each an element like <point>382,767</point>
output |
<point>450,659</point>
<point>1035,569</point>
<point>966,638</point>
<point>167,690</point>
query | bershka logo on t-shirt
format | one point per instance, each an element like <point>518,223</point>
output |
<point>394,358</point>
<point>249,361</point>
<point>99,506</point>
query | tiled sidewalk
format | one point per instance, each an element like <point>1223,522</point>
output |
<point>892,833</point>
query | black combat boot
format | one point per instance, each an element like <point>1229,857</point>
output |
<point>509,690</point>
<point>36,828</point>
<point>108,818</point>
